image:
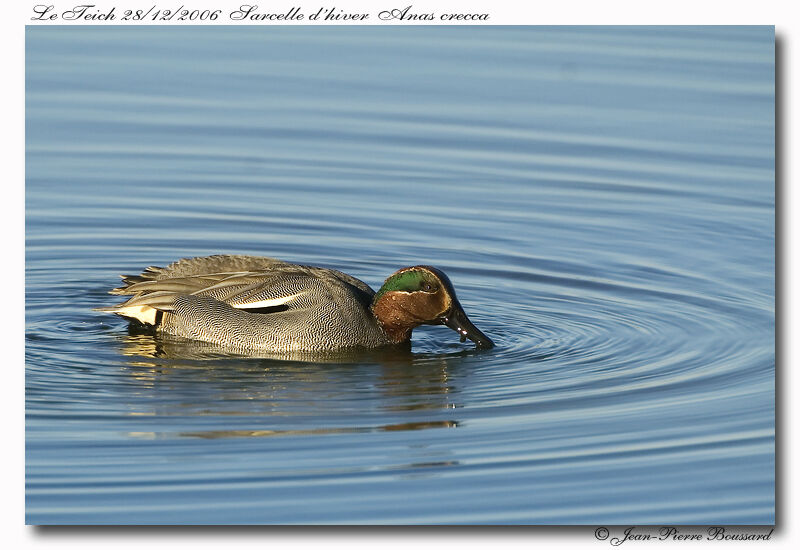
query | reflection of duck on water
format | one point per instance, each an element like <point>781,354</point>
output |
<point>405,426</point>
<point>277,394</point>
<point>250,303</point>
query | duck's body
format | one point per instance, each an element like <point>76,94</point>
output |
<point>256,303</point>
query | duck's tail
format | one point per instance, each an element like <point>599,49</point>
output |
<point>143,307</point>
<point>143,314</point>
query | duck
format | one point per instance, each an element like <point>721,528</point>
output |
<point>242,303</point>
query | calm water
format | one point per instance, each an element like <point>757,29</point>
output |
<point>602,199</point>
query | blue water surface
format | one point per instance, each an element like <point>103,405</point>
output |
<point>602,199</point>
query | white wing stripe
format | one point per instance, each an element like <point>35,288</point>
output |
<point>268,303</point>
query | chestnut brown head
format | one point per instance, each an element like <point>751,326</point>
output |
<point>422,295</point>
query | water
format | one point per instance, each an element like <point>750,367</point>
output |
<point>602,199</point>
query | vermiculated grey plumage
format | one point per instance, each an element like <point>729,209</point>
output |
<point>207,299</point>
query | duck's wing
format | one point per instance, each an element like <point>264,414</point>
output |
<point>206,265</point>
<point>278,288</point>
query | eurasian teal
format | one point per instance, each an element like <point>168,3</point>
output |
<point>256,303</point>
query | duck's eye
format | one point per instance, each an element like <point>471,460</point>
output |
<point>427,287</point>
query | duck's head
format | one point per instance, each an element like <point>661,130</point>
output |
<point>422,295</point>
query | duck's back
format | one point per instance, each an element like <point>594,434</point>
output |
<point>254,303</point>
